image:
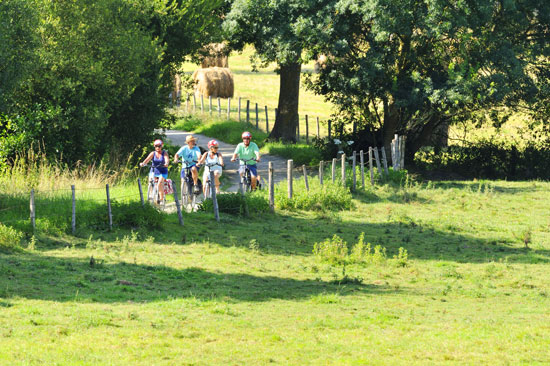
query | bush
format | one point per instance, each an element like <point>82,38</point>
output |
<point>300,153</point>
<point>10,239</point>
<point>236,203</point>
<point>327,197</point>
<point>129,215</point>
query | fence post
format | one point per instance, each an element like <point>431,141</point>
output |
<point>73,221</point>
<point>354,175</point>
<point>362,162</point>
<point>109,207</point>
<point>329,128</point>
<point>402,152</point>
<point>257,119</point>
<point>333,170</point>
<point>377,158</point>
<point>239,109</point>
<point>247,111</point>
<point>202,103</point>
<point>385,161</point>
<point>344,170</point>
<point>32,209</point>
<point>298,130</point>
<point>266,120</point>
<point>219,107</point>
<point>318,129</point>
<point>229,108</point>
<point>178,206</point>
<point>187,104</point>
<point>271,184</point>
<point>213,193</point>
<point>370,167</point>
<point>305,177</point>
<point>307,130</point>
<point>194,102</point>
<point>289,177</point>
<point>321,171</point>
<point>210,104</point>
<point>141,192</point>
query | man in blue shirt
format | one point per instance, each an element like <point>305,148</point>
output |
<point>189,155</point>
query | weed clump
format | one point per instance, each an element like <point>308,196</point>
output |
<point>327,197</point>
<point>10,239</point>
<point>237,204</point>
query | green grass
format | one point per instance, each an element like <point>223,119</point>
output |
<point>472,290</point>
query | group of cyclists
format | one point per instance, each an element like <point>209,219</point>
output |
<point>247,152</point>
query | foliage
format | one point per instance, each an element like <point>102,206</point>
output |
<point>334,251</point>
<point>237,204</point>
<point>327,197</point>
<point>125,215</point>
<point>300,153</point>
<point>10,239</point>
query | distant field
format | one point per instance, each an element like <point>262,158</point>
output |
<point>262,87</point>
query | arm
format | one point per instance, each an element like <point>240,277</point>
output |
<point>203,158</point>
<point>235,153</point>
<point>166,159</point>
<point>147,159</point>
<point>177,156</point>
<point>220,159</point>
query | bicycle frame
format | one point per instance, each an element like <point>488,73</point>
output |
<point>246,179</point>
<point>208,184</point>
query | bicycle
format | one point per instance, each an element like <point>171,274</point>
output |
<point>153,194</point>
<point>208,183</point>
<point>246,178</point>
<point>188,198</point>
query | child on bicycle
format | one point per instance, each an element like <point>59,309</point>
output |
<point>159,166</point>
<point>190,155</point>
<point>212,157</point>
<point>248,150</point>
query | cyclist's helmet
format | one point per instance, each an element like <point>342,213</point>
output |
<point>212,143</point>
<point>246,134</point>
<point>158,142</point>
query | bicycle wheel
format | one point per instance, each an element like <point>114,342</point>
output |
<point>183,192</point>
<point>150,189</point>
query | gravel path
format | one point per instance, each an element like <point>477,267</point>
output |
<point>279,164</point>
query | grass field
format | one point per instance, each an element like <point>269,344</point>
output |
<point>473,289</point>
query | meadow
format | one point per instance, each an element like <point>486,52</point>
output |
<point>280,288</point>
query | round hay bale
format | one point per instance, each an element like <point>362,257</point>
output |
<point>214,82</point>
<point>214,55</point>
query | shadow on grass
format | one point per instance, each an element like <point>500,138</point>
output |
<point>69,279</point>
<point>484,185</point>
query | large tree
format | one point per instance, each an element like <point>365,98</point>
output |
<point>275,29</point>
<point>408,66</point>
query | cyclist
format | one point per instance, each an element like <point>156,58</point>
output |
<point>189,155</point>
<point>248,150</point>
<point>160,165</point>
<point>212,157</point>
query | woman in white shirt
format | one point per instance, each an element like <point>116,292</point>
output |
<point>212,160</point>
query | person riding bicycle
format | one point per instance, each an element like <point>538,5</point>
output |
<point>160,163</point>
<point>190,155</point>
<point>248,150</point>
<point>212,157</point>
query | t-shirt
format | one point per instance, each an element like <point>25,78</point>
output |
<point>244,152</point>
<point>189,157</point>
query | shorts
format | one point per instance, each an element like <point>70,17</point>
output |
<point>182,174</point>
<point>253,170</point>
<point>215,169</point>
<point>165,175</point>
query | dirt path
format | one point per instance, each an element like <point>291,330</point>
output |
<point>279,164</point>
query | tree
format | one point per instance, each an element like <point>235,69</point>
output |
<point>408,66</point>
<point>275,29</point>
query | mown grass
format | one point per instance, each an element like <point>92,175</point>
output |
<point>472,290</point>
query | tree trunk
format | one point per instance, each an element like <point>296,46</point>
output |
<point>287,118</point>
<point>391,122</point>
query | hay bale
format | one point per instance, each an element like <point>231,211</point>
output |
<point>214,55</point>
<point>214,81</point>
<point>320,63</point>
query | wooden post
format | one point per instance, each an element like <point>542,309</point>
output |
<point>239,109</point>
<point>370,167</point>
<point>257,119</point>
<point>354,175</point>
<point>194,103</point>
<point>33,210</point>
<point>73,221</point>
<point>289,177</point>
<point>109,207</point>
<point>402,152</point>
<point>266,120</point>
<point>247,111</point>
<point>141,192</point>
<point>202,103</point>
<point>318,129</point>
<point>321,171</point>
<point>271,183</point>
<point>329,128</point>
<point>213,193</point>
<point>187,104</point>
<point>343,170</point>
<point>228,108</point>
<point>219,108</point>
<point>377,159</point>
<point>385,161</point>
<point>305,177</point>
<point>210,104</point>
<point>362,162</point>
<point>307,130</point>
<point>333,170</point>
<point>178,206</point>
<point>298,130</point>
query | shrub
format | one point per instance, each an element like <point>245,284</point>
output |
<point>129,215</point>
<point>334,251</point>
<point>300,153</point>
<point>327,197</point>
<point>10,239</point>
<point>236,203</point>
